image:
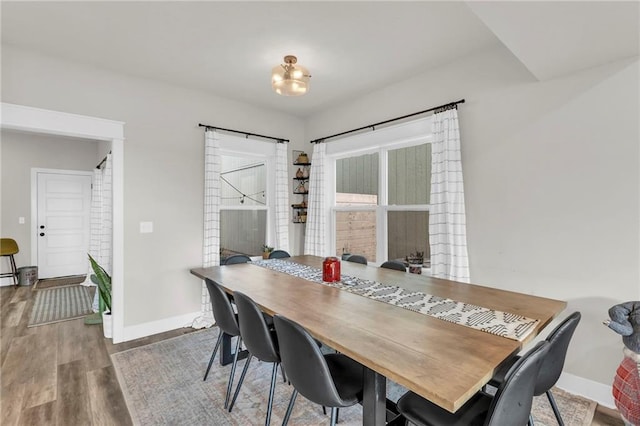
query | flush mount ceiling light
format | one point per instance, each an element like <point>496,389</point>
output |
<point>289,79</point>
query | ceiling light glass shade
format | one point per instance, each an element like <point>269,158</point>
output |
<point>289,79</point>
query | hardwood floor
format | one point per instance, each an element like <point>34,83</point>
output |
<point>58,374</point>
<point>61,374</point>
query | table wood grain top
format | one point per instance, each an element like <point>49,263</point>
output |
<point>445,363</point>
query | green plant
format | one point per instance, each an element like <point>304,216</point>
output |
<point>103,281</point>
<point>267,249</point>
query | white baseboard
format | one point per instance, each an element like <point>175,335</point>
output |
<point>6,281</point>
<point>594,391</point>
<point>160,326</point>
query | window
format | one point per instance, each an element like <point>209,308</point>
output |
<point>243,205</point>
<point>382,193</point>
<point>409,186</point>
<point>357,195</point>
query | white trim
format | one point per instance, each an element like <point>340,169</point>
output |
<point>415,132</point>
<point>590,389</point>
<point>29,119</point>
<point>159,326</point>
<point>34,204</point>
<point>117,243</point>
<point>37,120</point>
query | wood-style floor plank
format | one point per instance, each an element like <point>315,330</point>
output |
<point>107,402</point>
<point>14,369</point>
<point>42,369</point>
<point>12,314</point>
<point>44,414</point>
<point>11,401</point>
<point>73,407</point>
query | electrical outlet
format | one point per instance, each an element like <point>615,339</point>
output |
<point>21,220</point>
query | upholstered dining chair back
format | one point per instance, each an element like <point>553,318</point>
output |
<point>551,370</point>
<point>511,404</point>
<point>261,342</point>
<point>356,258</point>
<point>227,321</point>
<point>222,310</point>
<point>395,265</point>
<point>305,364</point>
<point>559,340</point>
<point>279,254</point>
<point>332,380</point>
<point>514,398</point>
<point>258,339</point>
<point>237,258</point>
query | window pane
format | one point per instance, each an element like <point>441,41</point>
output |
<point>242,231</point>
<point>407,233</point>
<point>357,180</point>
<point>242,181</point>
<point>410,175</point>
<point>356,233</point>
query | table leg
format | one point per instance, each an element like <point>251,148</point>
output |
<point>374,400</point>
<point>226,356</point>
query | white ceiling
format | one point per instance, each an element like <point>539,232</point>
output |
<point>351,48</point>
<point>555,38</point>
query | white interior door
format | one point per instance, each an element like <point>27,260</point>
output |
<point>64,201</point>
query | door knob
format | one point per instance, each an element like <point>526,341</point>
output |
<point>42,234</point>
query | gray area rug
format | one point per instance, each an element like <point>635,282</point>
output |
<point>60,304</point>
<point>162,384</point>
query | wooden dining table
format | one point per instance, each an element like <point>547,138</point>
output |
<point>444,362</point>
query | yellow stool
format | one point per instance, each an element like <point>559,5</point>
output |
<point>9,247</point>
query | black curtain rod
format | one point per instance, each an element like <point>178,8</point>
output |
<point>104,160</point>
<point>247,134</point>
<point>373,126</point>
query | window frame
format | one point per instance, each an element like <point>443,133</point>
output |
<point>259,151</point>
<point>412,133</point>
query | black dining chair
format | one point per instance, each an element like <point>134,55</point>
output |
<point>510,405</point>
<point>237,258</point>
<point>551,369</point>
<point>279,254</point>
<point>261,342</point>
<point>395,265</point>
<point>227,321</point>
<point>356,258</point>
<point>331,380</point>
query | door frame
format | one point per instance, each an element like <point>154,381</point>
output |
<point>43,121</point>
<point>34,203</point>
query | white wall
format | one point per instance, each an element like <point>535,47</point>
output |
<point>20,152</point>
<point>163,166</point>
<point>551,182</point>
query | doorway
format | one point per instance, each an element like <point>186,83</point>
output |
<point>29,119</point>
<point>62,222</point>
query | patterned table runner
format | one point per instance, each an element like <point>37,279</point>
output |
<point>511,326</point>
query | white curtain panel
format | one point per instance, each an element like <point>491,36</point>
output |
<point>95,222</point>
<point>101,222</point>
<point>211,242</point>
<point>447,218</point>
<point>282,198</point>
<point>314,241</point>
